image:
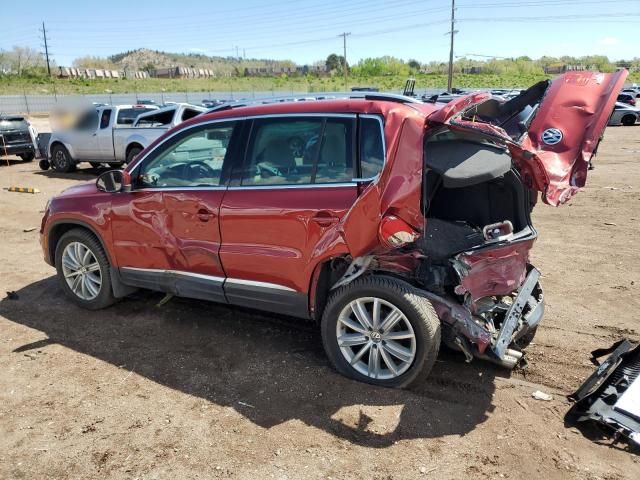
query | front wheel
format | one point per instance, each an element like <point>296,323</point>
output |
<point>84,270</point>
<point>28,157</point>
<point>382,331</point>
<point>61,160</point>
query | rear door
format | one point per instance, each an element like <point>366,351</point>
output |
<point>296,182</point>
<point>166,231</point>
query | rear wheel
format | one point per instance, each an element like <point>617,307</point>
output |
<point>61,160</point>
<point>133,153</point>
<point>28,157</point>
<point>628,120</point>
<point>84,270</point>
<point>381,330</point>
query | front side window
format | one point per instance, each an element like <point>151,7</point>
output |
<point>193,161</point>
<point>298,151</point>
<point>371,147</point>
<point>88,121</point>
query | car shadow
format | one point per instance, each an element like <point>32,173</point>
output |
<point>270,369</point>
<point>81,173</point>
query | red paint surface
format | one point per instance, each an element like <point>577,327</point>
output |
<point>496,271</point>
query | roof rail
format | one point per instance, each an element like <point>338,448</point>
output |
<point>388,97</point>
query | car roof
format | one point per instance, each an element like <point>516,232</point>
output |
<point>332,106</point>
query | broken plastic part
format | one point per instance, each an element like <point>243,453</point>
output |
<point>395,232</point>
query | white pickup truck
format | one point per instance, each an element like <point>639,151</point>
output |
<point>114,134</point>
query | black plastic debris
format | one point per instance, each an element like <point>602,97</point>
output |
<point>610,397</point>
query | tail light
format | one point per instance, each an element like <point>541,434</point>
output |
<point>394,232</point>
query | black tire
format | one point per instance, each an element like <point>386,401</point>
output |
<point>44,164</point>
<point>105,296</point>
<point>524,341</point>
<point>61,160</point>
<point>418,311</point>
<point>28,157</point>
<point>628,120</point>
<point>132,154</point>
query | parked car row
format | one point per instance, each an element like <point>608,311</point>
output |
<point>392,223</point>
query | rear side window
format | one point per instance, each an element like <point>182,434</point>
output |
<point>371,147</point>
<point>105,118</point>
<point>127,116</point>
<point>299,151</point>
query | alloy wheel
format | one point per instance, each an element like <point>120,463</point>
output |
<point>81,271</point>
<point>376,338</point>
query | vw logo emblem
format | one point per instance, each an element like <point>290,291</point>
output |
<point>551,136</point>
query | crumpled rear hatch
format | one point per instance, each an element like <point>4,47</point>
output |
<point>552,129</point>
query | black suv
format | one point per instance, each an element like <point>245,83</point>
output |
<point>15,138</point>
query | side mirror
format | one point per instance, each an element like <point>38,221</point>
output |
<point>114,181</point>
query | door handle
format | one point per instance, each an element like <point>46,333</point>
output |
<point>324,219</point>
<point>204,215</point>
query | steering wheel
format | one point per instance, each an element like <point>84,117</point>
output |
<point>199,169</point>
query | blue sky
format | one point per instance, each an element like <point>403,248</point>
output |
<point>307,30</point>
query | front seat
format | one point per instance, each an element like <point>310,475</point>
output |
<point>277,159</point>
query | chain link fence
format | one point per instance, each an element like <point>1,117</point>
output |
<point>40,104</point>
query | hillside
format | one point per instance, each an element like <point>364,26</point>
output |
<point>146,59</point>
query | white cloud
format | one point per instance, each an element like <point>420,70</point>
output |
<point>609,41</point>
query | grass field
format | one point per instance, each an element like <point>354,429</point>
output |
<point>12,85</point>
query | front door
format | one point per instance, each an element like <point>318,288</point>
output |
<point>166,232</point>
<point>296,183</point>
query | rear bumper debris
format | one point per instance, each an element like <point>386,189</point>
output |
<point>610,397</point>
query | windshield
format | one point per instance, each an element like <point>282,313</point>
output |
<point>13,124</point>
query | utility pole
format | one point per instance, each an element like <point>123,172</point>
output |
<point>452,32</point>
<point>344,36</point>
<point>46,48</point>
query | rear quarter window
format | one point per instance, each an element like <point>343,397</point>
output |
<point>371,147</point>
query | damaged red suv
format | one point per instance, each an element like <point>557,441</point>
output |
<point>394,224</point>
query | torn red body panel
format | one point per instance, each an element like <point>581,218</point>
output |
<point>553,156</point>
<point>497,271</point>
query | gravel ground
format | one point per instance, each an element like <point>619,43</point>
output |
<point>198,390</point>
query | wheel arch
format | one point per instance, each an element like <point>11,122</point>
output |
<point>131,145</point>
<point>59,228</point>
<point>326,272</point>
<point>61,143</point>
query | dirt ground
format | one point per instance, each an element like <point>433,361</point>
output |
<point>198,390</point>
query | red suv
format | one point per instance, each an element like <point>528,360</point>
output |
<point>392,223</point>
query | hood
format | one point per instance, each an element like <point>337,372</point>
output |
<point>552,129</point>
<point>88,188</point>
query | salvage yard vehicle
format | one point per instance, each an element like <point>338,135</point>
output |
<point>99,136</point>
<point>394,224</point>
<point>15,137</point>
<point>624,114</point>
